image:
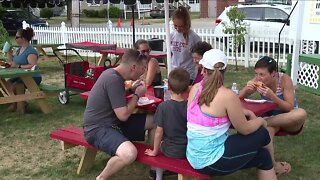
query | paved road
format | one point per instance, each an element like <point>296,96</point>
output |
<point>196,23</point>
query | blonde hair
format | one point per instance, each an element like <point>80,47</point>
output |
<point>211,83</point>
<point>182,13</point>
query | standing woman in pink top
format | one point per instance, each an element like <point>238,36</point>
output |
<point>212,108</point>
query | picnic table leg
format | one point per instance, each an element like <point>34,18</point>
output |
<point>102,59</point>
<point>33,87</point>
<point>40,49</point>
<point>87,160</point>
<point>20,105</point>
<point>184,177</point>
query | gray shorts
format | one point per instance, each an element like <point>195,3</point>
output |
<point>108,139</point>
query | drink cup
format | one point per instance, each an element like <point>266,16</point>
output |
<point>6,47</point>
<point>34,41</point>
<point>158,92</point>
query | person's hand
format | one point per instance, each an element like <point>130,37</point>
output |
<point>265,91</point>
<point>135,84</point>
<point>264,122</point>
<point>150,152</point>
<point>141,89</point>
<point>251,85</point>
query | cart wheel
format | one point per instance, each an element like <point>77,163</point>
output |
<point>64,97</point>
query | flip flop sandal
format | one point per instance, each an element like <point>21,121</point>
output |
<point>285,168</point>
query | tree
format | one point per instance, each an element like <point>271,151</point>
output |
<point>237,28</point>
<point>4,36</point>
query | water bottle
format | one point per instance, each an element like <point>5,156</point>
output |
<point>235,89</point>
<point>166,92</point>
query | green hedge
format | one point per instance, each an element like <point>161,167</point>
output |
<point>46,13</point>
<point>103,13</point>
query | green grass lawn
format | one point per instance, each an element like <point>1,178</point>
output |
<point>27,152</point>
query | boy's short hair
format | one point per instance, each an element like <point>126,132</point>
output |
<point>179,80</point>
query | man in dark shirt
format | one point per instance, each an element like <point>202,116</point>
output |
<point>108,121</point>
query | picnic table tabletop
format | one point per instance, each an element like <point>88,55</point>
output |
<point>91,46</point>
<point>17,72</point>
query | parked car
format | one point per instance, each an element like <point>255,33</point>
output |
<point>12,20</point>
<point>266,19</point>
<point>158,11</point>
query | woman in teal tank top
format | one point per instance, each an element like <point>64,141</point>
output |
<point>25,57</point>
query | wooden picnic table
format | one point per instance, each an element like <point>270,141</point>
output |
<point>8,96</point>
<point>40,48</point>
<point>120,51</point>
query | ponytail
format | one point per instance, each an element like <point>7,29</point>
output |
<point>211,83</point>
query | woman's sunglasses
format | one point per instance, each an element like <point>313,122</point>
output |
<point>145,51</point>
<point>17,37</point>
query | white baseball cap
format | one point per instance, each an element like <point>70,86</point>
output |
<point>212,57</point>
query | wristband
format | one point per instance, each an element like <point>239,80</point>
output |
<point>135,94</point>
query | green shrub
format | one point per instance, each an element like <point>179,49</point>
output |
<point>90,13</point>
<point>46,13</point>
<point>103,13</point>
<point>114,12</point>
<point>4,36</point>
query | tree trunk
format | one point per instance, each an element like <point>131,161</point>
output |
<point>69,9</point>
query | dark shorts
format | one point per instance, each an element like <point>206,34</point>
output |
<point>18,80</point>
<point>108,139</point>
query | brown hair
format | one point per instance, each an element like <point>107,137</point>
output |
<point>182,13</point>
<point>266,62</point>
<point>179,80</point>
<point>26,33</point>
<point>201,47</point>
<point>211,83</point>
<point>133,56</point>
<point>140,41</point>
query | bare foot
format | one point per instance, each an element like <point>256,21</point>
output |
<point>282,168</point>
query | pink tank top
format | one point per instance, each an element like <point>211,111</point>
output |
<point>196,116</point>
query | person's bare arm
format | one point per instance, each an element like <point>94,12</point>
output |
<point>157,142</point>
<point>249,89</point>
<point>288,92</point>
<point>237,117</point>
<point>152,70</point>
<point>123,113</point>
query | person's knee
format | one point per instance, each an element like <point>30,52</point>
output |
<point>128,153</point>
<point>300,115</point>
<point>263,135</point>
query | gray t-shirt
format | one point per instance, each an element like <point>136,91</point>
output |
<point>171,115</point>
<point>181,52</point>
<point>107,94</point>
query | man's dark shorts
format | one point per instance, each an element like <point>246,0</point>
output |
<point>108,139</point>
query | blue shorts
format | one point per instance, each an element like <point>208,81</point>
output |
<point>108,139</point>
<point>18,80</point>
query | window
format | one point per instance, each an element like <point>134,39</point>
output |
<point>276,15</point>
<point>253,13</point>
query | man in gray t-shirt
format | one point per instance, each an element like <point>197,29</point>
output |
<point>108,121</point>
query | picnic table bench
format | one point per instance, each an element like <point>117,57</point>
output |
<point>73,136</point>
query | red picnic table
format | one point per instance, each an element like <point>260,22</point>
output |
<point>120,51</point>
<point>91,46</point>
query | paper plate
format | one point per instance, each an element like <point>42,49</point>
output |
<point>255,100</point>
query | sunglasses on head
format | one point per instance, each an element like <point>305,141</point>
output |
<point>267,59</point>
<point>145,51</point>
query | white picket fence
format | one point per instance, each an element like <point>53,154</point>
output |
<point>247,55</point>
